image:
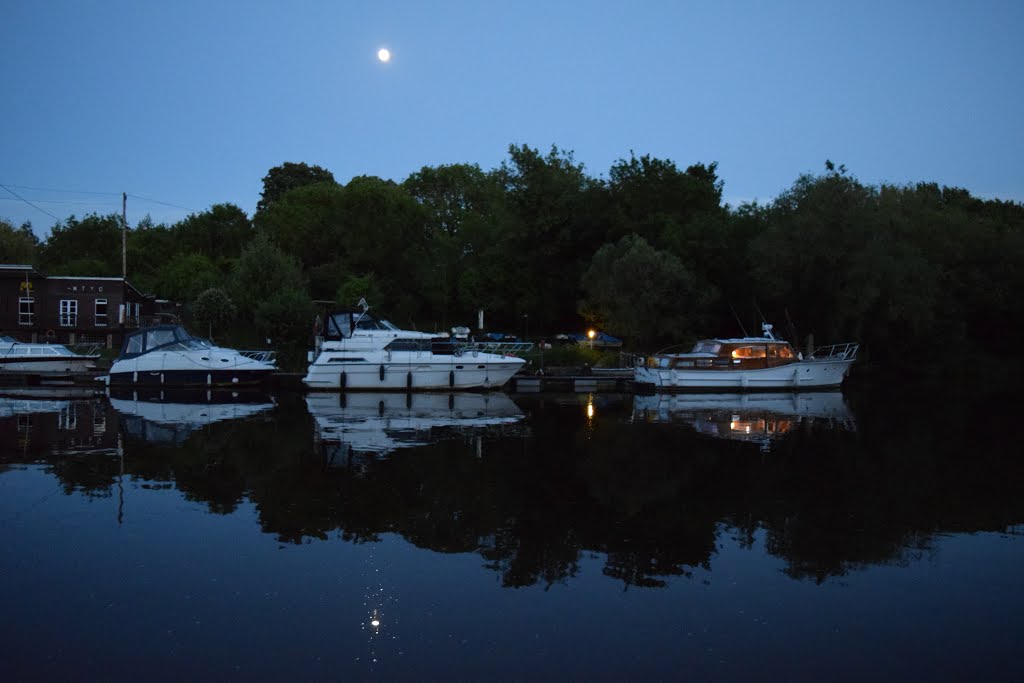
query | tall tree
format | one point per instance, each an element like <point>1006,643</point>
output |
<point>93,243</point>
<point>643,294</point>
<point>288,176</point>
<point>18,245</point>
<point>548,238</point>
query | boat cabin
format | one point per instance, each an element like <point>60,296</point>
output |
<point>729,354</point>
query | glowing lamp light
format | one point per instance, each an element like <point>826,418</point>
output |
<point>591,334</point>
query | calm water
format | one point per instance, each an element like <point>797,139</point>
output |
<point>526,537</point>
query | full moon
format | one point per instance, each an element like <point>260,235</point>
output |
<point>384,54</point>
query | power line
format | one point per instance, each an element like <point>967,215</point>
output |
<point>30,203</point>
<point>157,201</point>
<point>51,189</point>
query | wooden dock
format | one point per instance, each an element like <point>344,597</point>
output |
<point>609,381</point>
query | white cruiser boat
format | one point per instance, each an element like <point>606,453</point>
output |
<point>746,364</point>
<point>168,355</point>
<point>360,352</point>
<point>48,359</point>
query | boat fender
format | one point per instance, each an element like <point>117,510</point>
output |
<point>343,380</point>
<point>135,377</point>
<point>380,408</point>
<point>408,380</point>
<point>382,372</point>
<point>408,400</point>
<point>451,378</point>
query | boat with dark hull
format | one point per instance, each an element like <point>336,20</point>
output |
<point>167,355</point>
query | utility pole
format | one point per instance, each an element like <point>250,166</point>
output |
<point>124,262</point>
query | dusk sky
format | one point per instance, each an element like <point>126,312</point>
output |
<point>187,104</point>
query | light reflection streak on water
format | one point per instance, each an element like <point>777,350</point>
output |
<point>378,601</point>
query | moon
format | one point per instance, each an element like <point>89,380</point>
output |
<point>384,55</point>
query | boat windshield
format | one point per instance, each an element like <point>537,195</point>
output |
<point>147,340</point>
<point>706,346</point>
<point>368,322</point>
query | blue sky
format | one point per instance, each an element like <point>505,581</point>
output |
<point>190,103</point>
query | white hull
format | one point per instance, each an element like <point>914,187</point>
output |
<point>806,374</point>
<point>55,366</point>
<point>416,371</point>
<point>207,367</point>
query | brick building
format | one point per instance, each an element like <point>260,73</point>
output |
<point>71,309</point>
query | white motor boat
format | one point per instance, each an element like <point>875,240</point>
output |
<point>360,352</point>
<point>167,355</point>
<point>48,359</point>
<point>746,364</point>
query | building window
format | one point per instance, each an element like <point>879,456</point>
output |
<point>138,309</point>
<point>26,310</point>
<point>101,312</point>
<point>68,312</point>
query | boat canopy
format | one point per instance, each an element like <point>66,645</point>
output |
<point>341,324</point>
<point>159,337</point>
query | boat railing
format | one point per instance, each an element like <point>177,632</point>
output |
<point>501,348</point>
<point>268,356</point>
<point>845,351</point>
<point>84,348</point>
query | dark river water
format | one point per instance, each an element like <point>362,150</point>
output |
<point>486,536</point>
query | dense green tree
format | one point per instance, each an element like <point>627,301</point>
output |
<point>282,179</point>
<point>644,294</point>
<point>261,271</point>
<point>218,234</point>
<point>547,240</point>
<point>213,308</point>
<point>150,248</point>
<point>653,198</point>
<point>356,287</point>
<point>306,224</point>
<point>95,239</point>
<point>18,245</point>
<point>464,207</point>
<point>186,276</point>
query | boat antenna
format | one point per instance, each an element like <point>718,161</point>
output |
<point>736,315</point>
<point>365,306</point>
<point>790,327</point>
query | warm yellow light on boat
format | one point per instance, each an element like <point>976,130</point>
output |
<point>590,410</point>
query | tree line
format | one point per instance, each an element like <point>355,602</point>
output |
<point>917,273</point>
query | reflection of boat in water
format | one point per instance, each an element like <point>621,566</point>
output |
<point>42,359</point>
<point>170,415</point>
<point>167,355</point>
<point>746,364</point>
<point>382,422</point>
<point>360,352</point>
<point>757,417</point>
<point>11,406</point>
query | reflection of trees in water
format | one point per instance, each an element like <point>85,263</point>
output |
<point>653,499</point>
